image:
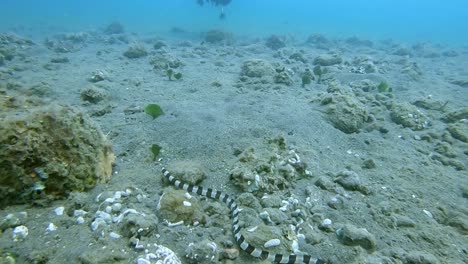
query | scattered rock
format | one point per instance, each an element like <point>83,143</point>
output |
<point>114,28</point>
<point>460,82</point>
<point>174,206</point>
<point>136,51</point>
<point>59,60</point>
<point>274,42</point>
<point>401,51</point>
<point>187,171</point>
<point>159,44</point>
<point>98,76</point>
<point>456,115</point>
<point>459,130</point>
<point>202,252</point>
<point>93,94</point>
<point>298,56</point>
<point>419,257</point>
<point>350,180</point>
<point>409,116</point>
<point>217,36</point>
<point>138,225</point>
<point>368,164</point>
<point>357,42</point>
<point>345,112</point>
<point>165,62</point>
<point>257,69</point>
<point>319,41</point>
<point>412,70</point>
<point>327,60</point>
<point>353,236</point>
<point>283,78</point>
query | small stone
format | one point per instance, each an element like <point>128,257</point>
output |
<point>80,220</point>
<point>326,225</point>
<point>368,164</point>
<point>59,210</point>
<point>51,227</point>
<point>230,253</point>
<point>353,236</point>
<point>20,233</point>
<point>117,207</point>
<point>335,202</point>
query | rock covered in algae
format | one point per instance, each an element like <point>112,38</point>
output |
<point>175,206</point>
<point>48,151</point>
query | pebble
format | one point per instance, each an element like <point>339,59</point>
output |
<point>79,212</point>
<point>326,225</point>
<point>51,227</point>
<point>353,236</point>
<point>59,210</point>
<point>20,233</point>
<point>80,220</point>
<point>116,207</point>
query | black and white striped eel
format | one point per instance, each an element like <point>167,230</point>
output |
<point>251,250</point>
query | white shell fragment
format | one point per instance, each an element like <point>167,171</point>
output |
<point>80,220</point>
<point>186,203</point>
<point>114,235</point>
<point>51,227</point>
<point>79,212</point>
<point>19,233</point>
<point>59,210</point>
<point>272,243</point>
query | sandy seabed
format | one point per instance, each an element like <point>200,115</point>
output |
<point>387,166</point>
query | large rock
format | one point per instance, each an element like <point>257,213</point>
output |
<point>345,112</point>
<point>257,68</point>
<point>47,152</point>
<point>409,116</point>
<point>327,59</point>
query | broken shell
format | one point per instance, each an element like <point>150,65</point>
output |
<point>272,243</point>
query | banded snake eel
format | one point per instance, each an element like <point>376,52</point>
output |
<point>234,209</point>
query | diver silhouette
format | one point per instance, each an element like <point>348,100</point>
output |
<point>221,3</point>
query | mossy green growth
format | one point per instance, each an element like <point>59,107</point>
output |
<point>319,71</point>
<point>169,73</point>
<point>177,75</point>
<point>174,208</point>
<point>154,110</point>
<point>155,149</point>
<point>383,87</point>
<point>307,78</point>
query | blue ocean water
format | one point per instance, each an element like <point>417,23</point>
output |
<point>440,21</point>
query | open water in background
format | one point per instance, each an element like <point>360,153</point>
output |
<point>439,21</point>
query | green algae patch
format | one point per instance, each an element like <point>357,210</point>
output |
<point>154,110</point>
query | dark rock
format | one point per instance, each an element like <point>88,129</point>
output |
<point>274,42</point>
<point>114,28</point>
